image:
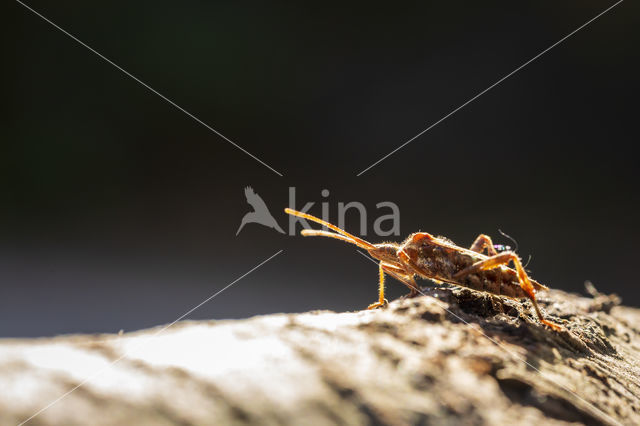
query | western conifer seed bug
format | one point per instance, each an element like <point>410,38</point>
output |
<point>440,260</point>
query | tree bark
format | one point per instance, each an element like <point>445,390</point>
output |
<point>454,356</point>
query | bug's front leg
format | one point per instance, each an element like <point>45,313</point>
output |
<point>504,259</point>
<point>401,275</point>
<point>381,300</point>
<point>397,273</point>
<point>483,242</point>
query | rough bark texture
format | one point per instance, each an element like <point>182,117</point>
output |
<point>454,356</point>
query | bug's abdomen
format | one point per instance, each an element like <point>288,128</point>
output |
<point>442,262</point>
<point>499,281</point>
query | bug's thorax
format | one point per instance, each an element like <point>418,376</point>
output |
<point>433,257</point>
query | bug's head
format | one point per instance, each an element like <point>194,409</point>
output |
<point>384,251</point>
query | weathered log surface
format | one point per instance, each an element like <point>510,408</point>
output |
<point>454,356</point>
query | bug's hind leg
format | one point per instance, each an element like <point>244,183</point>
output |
<point>483,242</point>
<point>504,259</point>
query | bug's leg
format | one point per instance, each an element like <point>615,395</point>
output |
<point>381,300</point>
<point>523,278</point>
<point>397,273</point>
<point>401,275</point>
<point>483,242</point>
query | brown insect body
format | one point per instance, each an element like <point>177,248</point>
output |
<point>439,259</point>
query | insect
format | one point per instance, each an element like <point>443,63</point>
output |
<point>440,260</point>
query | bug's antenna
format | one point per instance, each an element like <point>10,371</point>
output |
<point>319,233</point>
<point>342,234</point>
<point>528,260</point>
<point>511,238</point>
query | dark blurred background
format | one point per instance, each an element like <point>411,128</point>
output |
<point>119,211</point>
